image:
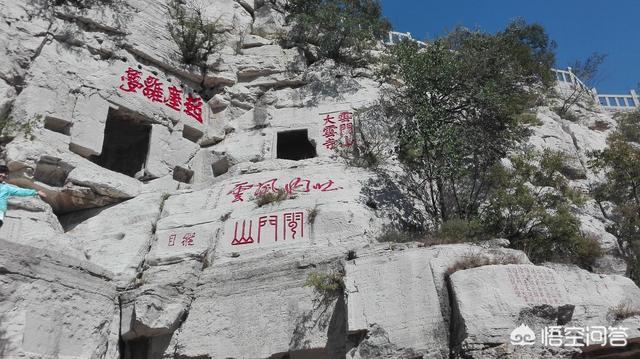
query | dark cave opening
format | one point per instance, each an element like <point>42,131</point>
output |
<point>126,144</point>
<point>295,145</point>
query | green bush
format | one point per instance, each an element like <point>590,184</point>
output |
<point>326,284</point>
<point>537,220</point>
<point>197,38</point>
<point>392,235</point>
<point>10,128</point>
<point>460,230</point>
<point>342,30</point>
<point>271,197</point>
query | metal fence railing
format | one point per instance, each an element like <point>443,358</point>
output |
<point>395,38</point>
<point>606,101</point>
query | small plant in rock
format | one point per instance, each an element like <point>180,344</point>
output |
<point>529,118</point>
<point>459,231</point>
<point>197,37</point>
<point>478,260</point>
<point>623,311</point>
<point>326,284</point>
<point>371,146</point>
<point>272,197</point>
<point>312,214</point>
<point>587,71</point>
<point>10,128</point>
<point>163,199</point>
<point>392,235</point>
<point>566,114</point>
<point>600,126</point>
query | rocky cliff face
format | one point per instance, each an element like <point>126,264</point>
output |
<point>157,242</point>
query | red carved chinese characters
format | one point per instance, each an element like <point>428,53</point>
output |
<point>187,240</point>
<point>325,187</point>
<point>298,184</point>
<point>153,90</point>
<point>239,190</point>
<point>132,78</point>
<point>244,238</point>
<point>271,227</point>
<point>329,132</point>
<point>272,221</point>
<point>175,98</point>
<point>294,221</point>
<point>193,107</point>
<point>345,130</point>
<point>266,187</point>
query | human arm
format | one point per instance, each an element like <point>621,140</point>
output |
<point>21,192</point>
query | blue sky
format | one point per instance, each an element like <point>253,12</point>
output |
<point>579,27</point>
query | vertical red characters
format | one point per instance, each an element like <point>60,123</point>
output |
<point>329,132</point>
<point>345,130</point>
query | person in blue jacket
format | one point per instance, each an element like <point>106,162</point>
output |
<point>7,190</point>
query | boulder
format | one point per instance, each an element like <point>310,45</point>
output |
<point>490,302</point>
<point>53,305</point>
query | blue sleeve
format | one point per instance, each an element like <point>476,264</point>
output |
<point>21,192</point>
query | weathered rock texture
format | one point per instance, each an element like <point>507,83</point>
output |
<point>156,240</point>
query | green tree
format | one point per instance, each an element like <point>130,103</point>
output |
<point>621,165</point>
<point>527,204</point>
<point>341,29</point>
<point>197,38</point>
<point>587,71</point>
<point>458,109</point>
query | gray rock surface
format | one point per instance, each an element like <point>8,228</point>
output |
<point>156,241</point>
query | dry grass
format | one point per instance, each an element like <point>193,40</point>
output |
<point>478,260</point>
<point>623,311</point>
<point>272,197</point>
<point>600,125</point>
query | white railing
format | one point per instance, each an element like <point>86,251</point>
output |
<point>395,38</point>
<point>608,102</point>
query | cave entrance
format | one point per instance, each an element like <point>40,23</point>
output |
<point>126,143</point>
<point>295,145</point>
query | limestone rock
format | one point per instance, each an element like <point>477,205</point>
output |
<point>53,305</point>
<point>492,301</point>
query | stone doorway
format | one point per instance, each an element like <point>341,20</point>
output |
<point>126,144</point>
<point>295,145</point>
